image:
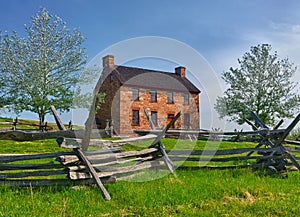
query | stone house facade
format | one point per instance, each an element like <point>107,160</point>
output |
<point>129,90</point>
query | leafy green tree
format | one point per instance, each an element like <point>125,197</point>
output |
<point>262,84</point>
<point>42,68</point>
<point>3,83</point>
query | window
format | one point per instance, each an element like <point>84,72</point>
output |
<point>170,97</point>
<point>186,120</point>
<point>135,117</point>
<point>135,94</point>
<point>153,96</point>
<point>111,77</point>
<point>170,118</point>
<point>186,99</point>
<point>154,118</point>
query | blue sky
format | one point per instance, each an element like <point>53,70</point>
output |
<point>221,31</point>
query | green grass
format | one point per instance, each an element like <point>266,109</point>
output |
<point>2,119</point>
<point>242,192</point>
<point>192,193</point>
<point>195,145</point>
<point>24,124</point>
<point>40,146</point>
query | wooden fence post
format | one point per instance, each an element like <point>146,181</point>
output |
<point>161,148</point>
<point>57,118</point>
<point>81,156</point>
<point>93,172</point>
<point>265,137</point>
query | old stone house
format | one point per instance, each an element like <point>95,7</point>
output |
<point>129,90</point>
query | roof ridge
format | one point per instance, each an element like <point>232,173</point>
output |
<point>125,73</point>
<point>139,68</point>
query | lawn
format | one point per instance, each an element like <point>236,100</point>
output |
<point>24,124</point>
<point>241,192</point>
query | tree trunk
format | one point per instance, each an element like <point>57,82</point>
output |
<point>42,120</point>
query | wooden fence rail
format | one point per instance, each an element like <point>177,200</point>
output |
<point>14,171</point>
<point>110,165</point>
<point>239,157</point>
<point>71,167</point>
<point>21,135</point>
<point>206,133</point>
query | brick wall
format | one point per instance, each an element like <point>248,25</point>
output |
<point>127,104</point>
<point>119,104</point>
<point>110,109</point>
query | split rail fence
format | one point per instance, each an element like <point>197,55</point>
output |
<point>111,164</point>
<point>61,167</point>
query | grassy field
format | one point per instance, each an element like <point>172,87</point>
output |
<point>23,124</point>
<point>240,192</point>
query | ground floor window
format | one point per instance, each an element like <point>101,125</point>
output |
<point>135,117</point>
<point>186,120</point>
<point>154,118</point>
<point>170,118</point>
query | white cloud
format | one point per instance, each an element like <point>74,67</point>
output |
<point>285,27</point>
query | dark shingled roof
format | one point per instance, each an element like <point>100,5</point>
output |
<point>147,78</point>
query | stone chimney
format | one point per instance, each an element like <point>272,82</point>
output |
<point>180,71</point>
<point>108,61</point>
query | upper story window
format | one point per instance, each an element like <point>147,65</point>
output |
<point>170,97</point>
<point>111,77</point>
<point>153,96</point>
<point>186,98</point>
<point>135,94</point>
<point>135,117</point>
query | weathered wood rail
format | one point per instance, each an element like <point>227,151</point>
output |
<point>239,158</point>
<point>14,168</point>
<point>274,154</point>
<point>32,169</point>
<point>112,165</point>
<point>15,123</point>
<point>206,134</point>
<point>78,164</point>
<point>109,165</point>
<point>21,135</point>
